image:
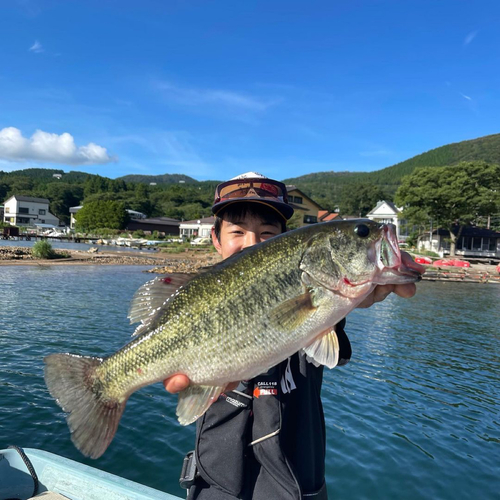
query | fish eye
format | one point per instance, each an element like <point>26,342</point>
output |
<point>362,230</point>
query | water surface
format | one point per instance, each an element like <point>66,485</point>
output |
<point>414,415</point>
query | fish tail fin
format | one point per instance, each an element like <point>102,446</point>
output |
<point>92,417</point>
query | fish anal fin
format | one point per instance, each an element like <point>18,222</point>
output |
<point>292,313</point>
<point>195,401</point>
<point>324,350</point>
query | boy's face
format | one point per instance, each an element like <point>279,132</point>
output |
<point>239,234</point>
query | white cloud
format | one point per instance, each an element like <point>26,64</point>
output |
<point>36,47</point>
<point>468,39</point>
<point>466,97</point>
<point>225,98</point>
<point>46,147</point>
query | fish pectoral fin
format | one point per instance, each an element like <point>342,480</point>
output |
<point>195,401</point>
<point>151,296</point>
<point>324,350</point>
<point>292,313</point>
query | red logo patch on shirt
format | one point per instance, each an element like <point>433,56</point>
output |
<point>261,391</point>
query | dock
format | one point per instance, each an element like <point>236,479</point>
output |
<point>479,274</point>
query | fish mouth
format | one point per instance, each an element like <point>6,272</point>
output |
<point>389,257</point>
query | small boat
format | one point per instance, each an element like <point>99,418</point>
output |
<point>451,262</point>
<point>423,260</point>
<point>26,473</point>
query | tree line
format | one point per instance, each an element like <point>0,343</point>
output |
<point>450,196</point>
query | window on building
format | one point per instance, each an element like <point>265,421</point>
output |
<point>310,219</point>
<point>297,199</point>
<point>7,210</point>
<point>476,244</point>
<point>41,211</point>
<point>24,210</point>
<point>23,220</point>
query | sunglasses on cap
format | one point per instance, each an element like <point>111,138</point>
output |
<point>251,188</point>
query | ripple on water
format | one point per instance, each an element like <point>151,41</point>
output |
<point>413,415</point>
<point>416,406</point>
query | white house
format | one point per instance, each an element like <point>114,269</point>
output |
<point>27,211</point>
<point>72,212</point>
<point>201,228</point>
<point>386,212</point>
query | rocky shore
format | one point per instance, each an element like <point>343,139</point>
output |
<point>161,263</point>
<point>190,262</point>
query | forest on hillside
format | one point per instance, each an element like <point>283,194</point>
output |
<point>182,197</point>
<point>183,201</point>
<point>328,187</point>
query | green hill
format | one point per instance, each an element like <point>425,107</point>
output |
<point>326,187</point>
<point>485,148</point>
<point>158,179</point>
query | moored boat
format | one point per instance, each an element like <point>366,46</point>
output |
<point>451,263</point>
<point>26,473</point>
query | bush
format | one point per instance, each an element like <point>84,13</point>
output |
<point>43,250</point>
<point>429,253</point>
<point>174,247</point>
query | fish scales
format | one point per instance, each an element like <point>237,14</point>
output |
<point>192,324</point>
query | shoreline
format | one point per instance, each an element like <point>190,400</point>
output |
<point>191,261</point>
<point>160,262</point>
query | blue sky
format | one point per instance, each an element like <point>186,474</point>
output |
<point>214,89</point>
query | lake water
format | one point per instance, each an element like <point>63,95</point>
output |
<point>414,415</point>
<point>69,245</point>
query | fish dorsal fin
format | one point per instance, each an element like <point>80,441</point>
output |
<point>195,401</point>
<point>151,296</point>
<point>324,350</point>
<point>292,313</point>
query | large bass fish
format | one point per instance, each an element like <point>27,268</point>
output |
<point>232,322</point>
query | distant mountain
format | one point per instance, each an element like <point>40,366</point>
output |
<point>159,179</point>
<point>326,187</point>
<point>44,175</point>
<point>35,173</point>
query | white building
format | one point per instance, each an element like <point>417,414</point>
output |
<point>386,212</point>
<point>200,228</point>
<point>72,212</point>
<point>27,211</point>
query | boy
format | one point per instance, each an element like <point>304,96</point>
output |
<point>264,438</point>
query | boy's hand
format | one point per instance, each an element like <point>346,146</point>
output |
<point>405,291</point>
<point>179,382</point>
<point>176,383</point>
